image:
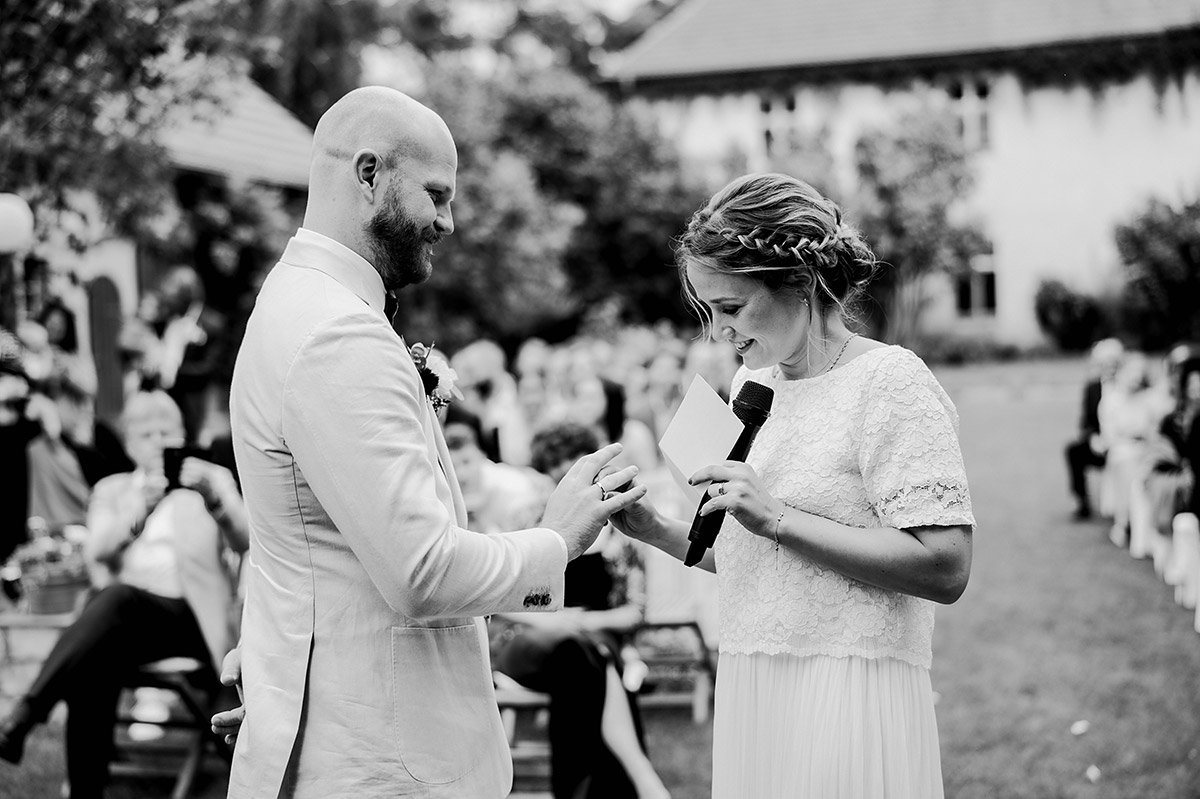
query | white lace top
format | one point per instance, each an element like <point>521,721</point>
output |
<point>873,443</point>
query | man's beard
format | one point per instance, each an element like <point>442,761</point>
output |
<point>403,252</point>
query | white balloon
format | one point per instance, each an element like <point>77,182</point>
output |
<point>16,224</point>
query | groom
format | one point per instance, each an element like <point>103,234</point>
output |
<point>364,657</point>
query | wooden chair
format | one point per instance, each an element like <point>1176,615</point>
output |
<point>681,671</point>
<point>525,715</point>
<point>187,737</point>
<point>1183,570</point>
<point>671,640</point>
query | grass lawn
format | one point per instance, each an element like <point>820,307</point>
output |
<point>1057,626</point>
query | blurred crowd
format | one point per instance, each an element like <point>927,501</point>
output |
<point>1139,436</point>
<point>109,488</point>
<point>51,438</point>
<point>624,389</point>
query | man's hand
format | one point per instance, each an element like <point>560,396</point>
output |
<point>640,519</point>
<point>227,723</point>
<point>212,481</point>
<point>583,501</point>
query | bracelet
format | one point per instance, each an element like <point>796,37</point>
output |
<point>779,519</point>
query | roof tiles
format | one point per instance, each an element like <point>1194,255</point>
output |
<point>723,36</point>
<point>255,138</point>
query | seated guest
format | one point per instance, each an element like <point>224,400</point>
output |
<point>1088,450</point>
<point>74,452</point>
<point>599,404</point>
<point>1130,413</point>
<point>173,593</point>
<point>596,748</point>
<point>21,415</point>
<point>1183,429</point>
<point>498,496</point>
<point>490,392</point>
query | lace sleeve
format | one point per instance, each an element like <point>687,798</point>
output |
<point>910,459</point>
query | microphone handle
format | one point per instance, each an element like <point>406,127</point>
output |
<point>705,528</point>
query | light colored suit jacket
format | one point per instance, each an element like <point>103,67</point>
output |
<point>365,658</point>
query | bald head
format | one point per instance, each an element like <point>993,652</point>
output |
<point>381,161</point>
<point>378,118</point>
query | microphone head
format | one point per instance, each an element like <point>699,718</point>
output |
<point>753,403</point>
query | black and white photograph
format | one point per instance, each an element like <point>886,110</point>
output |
<point>600,399</point>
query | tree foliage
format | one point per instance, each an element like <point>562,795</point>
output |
<point>84,85</point>
<point>1073,321</point>
<point>308,53</point>
<point>1159,304</point>
<point>563,198</point>
<point>911,177</point>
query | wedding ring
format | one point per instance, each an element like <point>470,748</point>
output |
<point>721,489</point>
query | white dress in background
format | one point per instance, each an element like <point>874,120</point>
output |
<point>823,682</point>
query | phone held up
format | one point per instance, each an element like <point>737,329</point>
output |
<point>173,458</point>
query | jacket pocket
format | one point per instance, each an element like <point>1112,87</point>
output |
<point>441,707</point>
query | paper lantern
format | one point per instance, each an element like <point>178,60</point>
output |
<point>16,224</point>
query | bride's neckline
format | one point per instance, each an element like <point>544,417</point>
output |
<point>777,374</point>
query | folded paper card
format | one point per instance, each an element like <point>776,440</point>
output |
<point>701,433</point>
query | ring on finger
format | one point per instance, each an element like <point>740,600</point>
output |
<point>721,489</point>
<point>603,493</point>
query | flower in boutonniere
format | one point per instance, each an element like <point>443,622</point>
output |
<point>436,375</point>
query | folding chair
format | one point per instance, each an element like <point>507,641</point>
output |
<point>525,715</point>
<point>1183,570</point>
<point>187,736</point>
<point>671,640</point>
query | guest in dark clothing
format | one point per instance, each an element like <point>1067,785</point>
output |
<point>1182,428</point>
<point>19,425</point>
<point>193,344</point>
<point>1088,450</point>
<point>596,746</point>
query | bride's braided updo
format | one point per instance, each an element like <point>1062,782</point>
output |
<point>782,231</point>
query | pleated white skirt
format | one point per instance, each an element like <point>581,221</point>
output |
<point>822,727</point>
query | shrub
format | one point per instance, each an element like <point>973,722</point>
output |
<point>957,350</point>
<point>1160,251</point>
<point>1073,321</point>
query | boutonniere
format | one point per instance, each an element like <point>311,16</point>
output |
<point>436,375</point>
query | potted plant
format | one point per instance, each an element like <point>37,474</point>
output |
<point>53,574</point>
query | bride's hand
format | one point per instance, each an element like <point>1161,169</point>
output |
<point>737,489</point>
<point>639,520</point>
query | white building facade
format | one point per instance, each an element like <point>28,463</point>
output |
<point>1058,164</point>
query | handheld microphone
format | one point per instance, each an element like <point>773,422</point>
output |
<point>752,407</point>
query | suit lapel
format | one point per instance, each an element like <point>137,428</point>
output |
<point>448,490</point>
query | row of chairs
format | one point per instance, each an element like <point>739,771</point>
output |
<point>1177,561</point>
<point>1156,531</point>
<point>676,676</point>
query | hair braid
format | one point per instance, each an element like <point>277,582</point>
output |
<point>785,233</point>
<point>784,246</point>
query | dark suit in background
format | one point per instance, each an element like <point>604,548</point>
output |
<point>1080,455</point>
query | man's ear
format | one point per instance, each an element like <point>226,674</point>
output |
<point>367,166</point>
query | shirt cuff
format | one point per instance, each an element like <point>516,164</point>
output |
<point>563,542</point>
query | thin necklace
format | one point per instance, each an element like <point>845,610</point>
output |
<point>838,357</point>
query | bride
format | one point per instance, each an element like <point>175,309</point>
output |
<point>849,521</point>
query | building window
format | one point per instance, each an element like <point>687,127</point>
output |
<point>969,99</point>
<point>975,288</point>
<point>778,121</point>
